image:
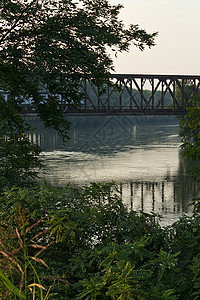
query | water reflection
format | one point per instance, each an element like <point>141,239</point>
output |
<point>166,197</point>
<point>142,158</point>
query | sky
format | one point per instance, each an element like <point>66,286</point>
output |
<point>177,49</point>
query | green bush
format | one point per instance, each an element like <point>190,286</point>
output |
<point>83,243</point>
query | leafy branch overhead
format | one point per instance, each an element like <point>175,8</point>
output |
<point>51,44</point>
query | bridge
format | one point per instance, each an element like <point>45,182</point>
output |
<point>139,95</point>
<point>135,94</point>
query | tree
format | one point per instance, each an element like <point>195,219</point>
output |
<point>191,138</point>
<point>49,45</point>
<point>188,89</point>
<point>52,44</point>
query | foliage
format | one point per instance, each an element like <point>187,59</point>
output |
<point>19,158</point>
<point>49,45</point>
<point>191,142</point>
<point>191,138</point>
<point>93,246</point>
<point>188,91</point>
<point>20,244</point>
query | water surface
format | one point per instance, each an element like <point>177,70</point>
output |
<point>143,159</point>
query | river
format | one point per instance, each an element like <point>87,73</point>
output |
<point>142,156</point>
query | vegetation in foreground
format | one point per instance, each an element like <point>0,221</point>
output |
<point>83,243</point>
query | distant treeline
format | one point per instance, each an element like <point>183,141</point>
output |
<point>124,95</point>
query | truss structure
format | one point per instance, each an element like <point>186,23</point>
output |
<point>140,95</point>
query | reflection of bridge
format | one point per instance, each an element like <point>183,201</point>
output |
<point>137,95</point>
<point>164,196</point>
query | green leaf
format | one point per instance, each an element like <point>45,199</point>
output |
<point>8,284</point>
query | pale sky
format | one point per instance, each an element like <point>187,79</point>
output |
<point>177,49</point>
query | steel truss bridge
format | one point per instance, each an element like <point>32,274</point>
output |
<point>168,95</point>
<point>135,94</point>
<point>138,95</point>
